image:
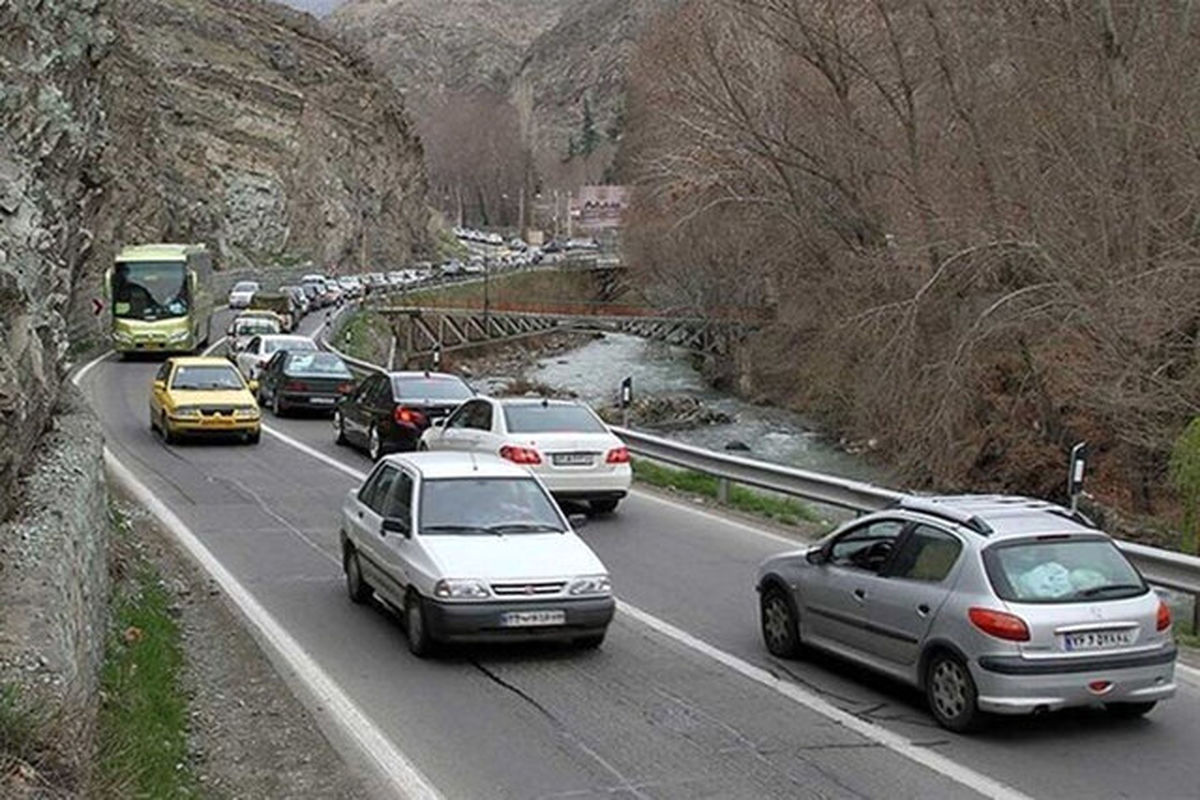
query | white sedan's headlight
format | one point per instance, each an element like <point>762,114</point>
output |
<point>460,589</point>
<point>591,584</point>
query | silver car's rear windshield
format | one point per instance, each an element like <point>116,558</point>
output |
<point>1061,569</point>
<point>486,507</point>
<point>536,418</point>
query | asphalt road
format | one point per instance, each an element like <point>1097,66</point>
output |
<point>647,715</point>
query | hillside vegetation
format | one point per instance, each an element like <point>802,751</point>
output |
<point>975,223</point>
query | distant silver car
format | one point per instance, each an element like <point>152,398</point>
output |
<point>987,603</point>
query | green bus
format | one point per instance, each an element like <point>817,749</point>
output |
<point>161,298</point>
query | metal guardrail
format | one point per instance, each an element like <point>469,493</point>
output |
<point>1176,571</point>
<point>814,486</point>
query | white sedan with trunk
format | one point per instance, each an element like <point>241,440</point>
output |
<point>563,442</point>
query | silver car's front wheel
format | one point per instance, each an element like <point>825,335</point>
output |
<point>779,625</point>
<point>951,693</point>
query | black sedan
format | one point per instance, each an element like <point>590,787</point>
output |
<point>308,379</point>
<point>388,413</point>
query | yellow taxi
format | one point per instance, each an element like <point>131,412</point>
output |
<point>197,395</point>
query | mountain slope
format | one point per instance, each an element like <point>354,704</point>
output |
<point>243,125</point>
<point>429,46</point>
<point>584,55</point>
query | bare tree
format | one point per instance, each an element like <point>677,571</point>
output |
<point>976,223</point>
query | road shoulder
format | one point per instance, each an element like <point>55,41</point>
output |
<point>248,736</point>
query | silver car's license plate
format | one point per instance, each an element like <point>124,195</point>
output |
<point>1097,640</point>
<point>530,619</point>
<point>573,459</point>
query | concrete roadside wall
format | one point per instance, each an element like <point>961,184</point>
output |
<point>54,580</point>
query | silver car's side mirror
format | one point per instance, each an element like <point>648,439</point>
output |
<point>815,556</point>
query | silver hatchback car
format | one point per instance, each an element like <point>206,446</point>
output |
<point>987,603</point>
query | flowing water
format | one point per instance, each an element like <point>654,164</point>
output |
<point>595,371</point>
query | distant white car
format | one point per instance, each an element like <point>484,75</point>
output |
<point>243,329</point>
<point>242,293</point>
<point>259,349</point>
<point>563,442</point>
<point>471,549</point>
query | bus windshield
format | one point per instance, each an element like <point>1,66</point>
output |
<point>150,290</point>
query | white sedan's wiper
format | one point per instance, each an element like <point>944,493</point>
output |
<point>457,529</point>
<point>524,527</point>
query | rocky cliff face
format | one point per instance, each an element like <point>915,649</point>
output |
<point>50,136</point>
<point>584,55</point>
<point>429,46</point>
<point>242,125</point>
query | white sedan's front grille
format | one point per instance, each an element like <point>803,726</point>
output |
<point>534,589</point>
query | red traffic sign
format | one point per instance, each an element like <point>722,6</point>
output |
<point>97,306</point>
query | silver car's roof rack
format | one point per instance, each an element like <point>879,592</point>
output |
<point>939,509</point>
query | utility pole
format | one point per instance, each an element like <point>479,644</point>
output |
<point>569,232</point>
<point>556,213</point>
<point>521,212</point>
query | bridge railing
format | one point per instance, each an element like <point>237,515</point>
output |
<point>1176,571</point>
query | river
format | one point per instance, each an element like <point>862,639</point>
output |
<point>595,371</point>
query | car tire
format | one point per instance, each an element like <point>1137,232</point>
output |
<point>277,406</point>
<point>356,585</point>
<point>951,694</point>
<point>420,643</point>
<point>165,428</point>
<point>1130,710</point>
<point>374,444</point>
<point>253,437</point>
<point>339,425</point>
<point>422,447</point>
<point>780,626</point>
<point>606,506</point>
<point>592,642</point>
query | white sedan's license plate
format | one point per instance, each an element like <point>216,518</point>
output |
<point>573,459</point>
<point>530,619</point>
<point>1097,640</point>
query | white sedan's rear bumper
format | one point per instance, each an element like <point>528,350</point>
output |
<point>611,481</point>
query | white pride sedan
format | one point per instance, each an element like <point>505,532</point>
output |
<point>259,349</point>
<point>563,442</point>
<point>471,548</point>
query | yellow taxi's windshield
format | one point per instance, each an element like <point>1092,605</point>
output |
<point>206,377</point>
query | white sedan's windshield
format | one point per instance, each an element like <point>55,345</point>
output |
<point>272,345</point>
<point>253,327</point>
<point>486,506</point>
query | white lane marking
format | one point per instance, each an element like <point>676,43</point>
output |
<point>923,756</point>
<point>1190,673</point>
<point>732,523</point>
<point>208,351</point>
<point>401,775</point>
<point>317,454</point>
<point>82,372</point>
<point>966,776</point>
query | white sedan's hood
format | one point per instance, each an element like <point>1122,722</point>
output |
<point>515,556</point>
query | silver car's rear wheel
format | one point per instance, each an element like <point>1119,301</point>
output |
<point>951,693</point>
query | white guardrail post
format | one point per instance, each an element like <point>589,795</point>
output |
<point>1166,568</point>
